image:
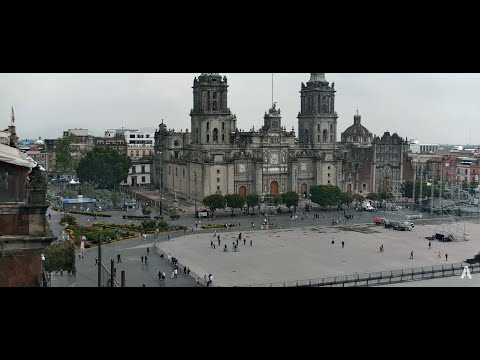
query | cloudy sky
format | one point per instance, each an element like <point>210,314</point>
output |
<point>434,108</point>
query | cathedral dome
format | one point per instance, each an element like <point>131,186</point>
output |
<point>357,133</point>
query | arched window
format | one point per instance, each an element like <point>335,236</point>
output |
<point>318,138</point>
<point>325,135</point>
<point>223,138</point>
<point>318,127</point>
<point>223,126</point>
<point>215,135</point>
<point>331,128</point>
<point>208,138</point>
<point>214,105</point>
<point>354,139</point>
<point>208,126</point>
<point>331,138</point>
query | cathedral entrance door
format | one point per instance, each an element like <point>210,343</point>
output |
<point>303,190</point>
<point>349,188</point>
<point>274,188</point>
<point>242,191</point>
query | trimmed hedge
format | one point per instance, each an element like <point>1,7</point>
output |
<point>133,217</point>
<point>90,214</point>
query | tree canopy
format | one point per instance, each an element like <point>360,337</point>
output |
<point>60,257</point>
<point>291,199</point>
<point>104,167</point>
<point>235,201</point>
<point>252,201</point>
<point>325,195</point>
<point>214,202</point>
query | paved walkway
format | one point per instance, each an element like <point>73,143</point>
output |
<point>130,251</point>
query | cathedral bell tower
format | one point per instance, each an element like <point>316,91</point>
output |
<point>317,120</point>
<point>211,119</point>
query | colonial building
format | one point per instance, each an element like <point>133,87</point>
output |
<point>116,142</point>
<point>215,157</point>
<point>24,231</point>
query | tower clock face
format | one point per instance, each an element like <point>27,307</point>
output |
<point>241,168</point>
<point>274,159</point>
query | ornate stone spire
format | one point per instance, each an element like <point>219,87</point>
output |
<point>318,77</point>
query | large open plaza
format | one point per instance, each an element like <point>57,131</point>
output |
<point>308,253</point>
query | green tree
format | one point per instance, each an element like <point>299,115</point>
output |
<point>277,199</point>
<point>325,195</point>
<point>383,195</point>
<point>345,198</point>
<point>60,257</point>
<point>115,198</point>
<point>361,198</point>
<point>64,154</point>
<point>104,167</point>
<point>291,199</point>
<point>473,185</point>
<point>235,201</point>
<point>214,202</point>
<point>252,201</point>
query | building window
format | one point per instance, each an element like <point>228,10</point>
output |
<point>196,134</point>
<point>318,138</point>
<point>223,138</point>
<point>208,126</point>
<point>329,167</point>
<point>134,169</point>
<point>218,188</point>
<point>325,135</point>
<point>214,105</point>
<point>214,95</point>
<point>215,135</point>
<point>143,179</point>
<point>132,136</point>
<point>329,181</point>
<point>318,127</point>
<point>143,168</point>
<point>328,175</point>
<point>218,172</point>
<point>208,138</point>
<point>176,154</point>
<point>324,109</point>
<point>137,153</point>
<point>218,180</point>
<point>223,126</point>
<point>147,136</point>
<point>331,128</point>
<point>131,153</point>
<point>331,138</point>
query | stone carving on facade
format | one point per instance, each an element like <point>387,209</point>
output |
<point>38,180</point>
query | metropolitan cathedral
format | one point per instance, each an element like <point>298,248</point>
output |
<point>215,157</point>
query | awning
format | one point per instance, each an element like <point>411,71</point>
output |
<point>14,156</point>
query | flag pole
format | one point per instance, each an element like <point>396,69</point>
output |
<point>272,90</point>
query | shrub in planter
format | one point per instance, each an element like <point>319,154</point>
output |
<point>174,217</point>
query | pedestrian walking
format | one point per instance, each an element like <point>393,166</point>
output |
<point>142,259</point>
<point>188,271</point>
<point>160,275</point>
<point>251,242</point>
<point>119,259</point>
<point>439,255</point>
<point>343,245</point>
<point>148,251</point>
<point>176,273</point>
<point>446,257</point>
<point>96,260</point>
<point>429,244</point>
<point>205,278</point>
<point>244,241</point>
<point>163,275</point>
<point>145,260</point>
<point>411,255</point>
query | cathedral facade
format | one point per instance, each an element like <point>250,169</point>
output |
<point>215,157</point>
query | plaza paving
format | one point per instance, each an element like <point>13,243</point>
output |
<point>307,253</point>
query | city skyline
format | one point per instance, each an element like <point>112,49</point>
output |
<point>433,108</point>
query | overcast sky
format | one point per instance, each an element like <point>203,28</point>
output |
<point>433,108</point>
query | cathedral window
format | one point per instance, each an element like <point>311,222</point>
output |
<point>325,135</point>
<point>196,134</point>
<point>214,95</point>
<point>318,107</point>
<point>306,135</point>
<point>318,127</point>
<point>324,108</point>
<point>331,128</point>
<point>331,138</point>
<point>214,104</point>
<point>208,126</point>
<point>223,126</point>
<point>318,138</point>
<point>215,135</point>
<point>223,137</point>
<point>208,138</point>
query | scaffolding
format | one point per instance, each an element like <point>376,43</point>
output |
<point>452,226</point>
<point>395,210</point>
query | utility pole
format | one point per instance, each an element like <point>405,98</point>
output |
<point>195,192</point>
<point>100,263</point>
<point>432,186</point>
<point>112,273</point>
<point>414,183</point>
<point>123,279</point>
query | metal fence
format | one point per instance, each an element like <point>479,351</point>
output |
<point>380,278</point>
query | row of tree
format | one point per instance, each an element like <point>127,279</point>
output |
<point>235,201</point>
